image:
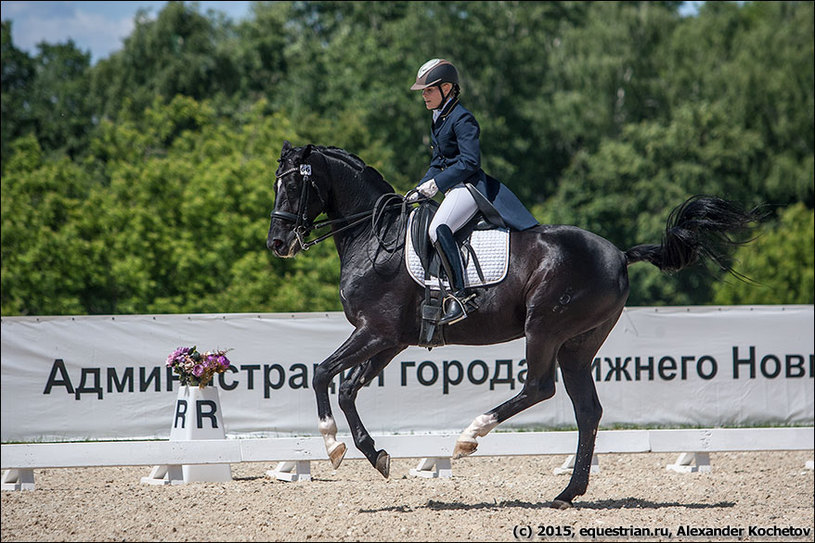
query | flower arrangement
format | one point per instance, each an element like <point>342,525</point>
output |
<point>197,368</point>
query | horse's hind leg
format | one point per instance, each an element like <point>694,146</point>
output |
<point>575,360</point>
<point>360,376</point>
<point>358,348</point>
<point>580,386</point>
<point>539,386</point>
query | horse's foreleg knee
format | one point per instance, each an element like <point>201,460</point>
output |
<point>466,444</point>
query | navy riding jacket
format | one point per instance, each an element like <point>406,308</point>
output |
<point>457,159</point>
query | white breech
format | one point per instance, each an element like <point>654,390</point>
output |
<point>456,210</point>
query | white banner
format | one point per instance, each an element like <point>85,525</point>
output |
<point>103,377</point>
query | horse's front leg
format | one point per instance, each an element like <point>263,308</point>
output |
<point>361,376</point>
<point>358,348</point>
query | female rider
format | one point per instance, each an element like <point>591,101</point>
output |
<point>455,170</point>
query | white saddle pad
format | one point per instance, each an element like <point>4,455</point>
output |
<point>491,247</point>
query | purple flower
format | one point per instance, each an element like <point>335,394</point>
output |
<point>177,356</point>
<point>195,367</point>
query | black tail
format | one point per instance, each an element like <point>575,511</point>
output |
<point>702,228</point>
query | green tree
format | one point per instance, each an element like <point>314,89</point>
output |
<point>177,53</point>
<point>44,261</point>
<point>17,74</point>
<point>46,95</point>
<point>626,190</point>
<point>175,221</point>
<point>150,188</point>
<point>755,62</point>
<point>780,263</point>
<point>258,46</point>
<point>60,101</point>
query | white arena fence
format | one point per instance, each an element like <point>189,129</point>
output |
<point>102,378</point>
<point>434,450</point>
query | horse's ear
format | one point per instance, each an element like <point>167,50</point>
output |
<point>286,147</point>
<point>307,150</point>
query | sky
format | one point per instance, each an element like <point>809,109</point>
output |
<point>101,26</point>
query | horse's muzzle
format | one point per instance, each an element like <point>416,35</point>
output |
<point>280,248</point>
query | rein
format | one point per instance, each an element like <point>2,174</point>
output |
<point>303,226</point>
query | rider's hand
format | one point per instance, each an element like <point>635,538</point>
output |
<point>412,196</point>
<point>428,188</point>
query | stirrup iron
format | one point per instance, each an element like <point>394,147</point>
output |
<point>458,310</point>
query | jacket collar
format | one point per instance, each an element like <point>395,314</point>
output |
<point>445,111</point>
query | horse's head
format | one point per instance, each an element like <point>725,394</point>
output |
<point>298,201</point>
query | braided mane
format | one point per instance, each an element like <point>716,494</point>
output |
<point>368,173</point>
<point>341,154</point>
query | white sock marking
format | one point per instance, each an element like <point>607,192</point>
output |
<point>328,428</point>
<point>480,427</point>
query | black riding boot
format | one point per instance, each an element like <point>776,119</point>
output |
<point>455,308</point>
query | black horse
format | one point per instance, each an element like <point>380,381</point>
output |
<point>564,292</point>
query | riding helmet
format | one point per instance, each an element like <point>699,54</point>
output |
<point>435,72</point>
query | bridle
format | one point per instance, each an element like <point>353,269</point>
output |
<point>303,226</point>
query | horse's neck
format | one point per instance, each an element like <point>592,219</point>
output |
<point>347,204</point>
<point>352,194</point>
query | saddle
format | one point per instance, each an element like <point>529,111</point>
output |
<point>485,259</point>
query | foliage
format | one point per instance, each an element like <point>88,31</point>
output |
<point>47,96</point>
<point>781,264</point>
<point>143,183</point>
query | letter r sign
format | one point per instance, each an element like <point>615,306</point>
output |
<point>204,409</point>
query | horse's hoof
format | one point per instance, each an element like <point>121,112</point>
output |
<point>561,504</point>
<point>337,454</point>
<point>383,464</point>
<point>464,448</point>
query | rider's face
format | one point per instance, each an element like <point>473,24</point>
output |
<point>432,95</point>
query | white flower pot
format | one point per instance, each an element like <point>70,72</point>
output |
<point>197,415</point>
